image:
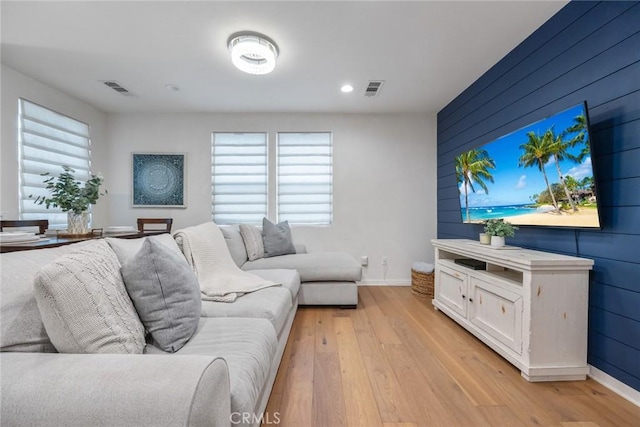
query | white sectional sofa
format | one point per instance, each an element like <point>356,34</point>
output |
<point>222,376</point>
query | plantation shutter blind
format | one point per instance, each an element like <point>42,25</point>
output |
<point>47,141</point>
<point>239,177</point>
<point>305,178</point>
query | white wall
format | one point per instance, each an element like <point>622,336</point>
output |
<point>15,85</point>
<point>384,178</point>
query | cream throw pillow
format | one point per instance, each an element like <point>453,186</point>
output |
<point>252,237</point>
<point>84,305</point>
<point>127,248</point>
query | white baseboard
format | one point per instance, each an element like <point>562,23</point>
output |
<point>631,394</point>
<point>388,282</point>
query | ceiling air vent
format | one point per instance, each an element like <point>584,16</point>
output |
<point>373,88</point>
<point>117,87</point>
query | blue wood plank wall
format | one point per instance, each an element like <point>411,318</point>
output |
<point>587,51</point>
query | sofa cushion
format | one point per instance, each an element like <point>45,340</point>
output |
<point>21,327</point>
<point>247,345</point>
<point>252,237</point>
<point>314,266</point>
<point>165,293</point>
<point>272,303</point>
<point>234,242</point>
<point>84,305</point>
<point>276,238</point>
<point>127,248</point>
<point>290,279</point>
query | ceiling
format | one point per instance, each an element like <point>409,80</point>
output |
<point>427,52</point>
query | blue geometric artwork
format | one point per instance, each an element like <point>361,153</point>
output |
<point>158,180</point>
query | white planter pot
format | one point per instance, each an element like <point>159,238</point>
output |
<point>78,224</point>
<point>497,241</point>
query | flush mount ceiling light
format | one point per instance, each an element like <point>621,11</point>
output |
<point>253,53</point>
<point>347,88</point>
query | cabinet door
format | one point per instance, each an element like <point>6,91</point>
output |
<point>451,289</point>
<point>496,311</point>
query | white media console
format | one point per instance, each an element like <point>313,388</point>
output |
<point>529,306</point>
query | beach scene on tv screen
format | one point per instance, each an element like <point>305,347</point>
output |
<point>538,175</point>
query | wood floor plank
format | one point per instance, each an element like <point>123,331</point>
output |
<point>383,330</point>
<point>607,401</point>
<point>325,335</point>
<point>500,415</point>
<point>457,402</point>
<point>583,409</point>
<point>399,425</point>
<point>361,407</point>
<point>579,424</point>
<point>470,385</point>
<point>388,392</point>
<point>328,397</point>
<point>396,362</point>
<point>424,402</point>
<point>297,398</point>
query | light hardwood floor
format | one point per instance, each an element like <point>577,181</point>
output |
<point>395,361</point>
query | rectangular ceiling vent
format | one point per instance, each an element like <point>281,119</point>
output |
<point>373,88</point>
<point>117,87</point>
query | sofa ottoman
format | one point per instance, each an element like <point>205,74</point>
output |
<point>326,278</point>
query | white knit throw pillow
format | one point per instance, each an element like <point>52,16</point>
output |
<point>252,237</point>
<point>84,304</point>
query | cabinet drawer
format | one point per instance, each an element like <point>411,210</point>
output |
<point>496,311</point>
<point>452,288</point>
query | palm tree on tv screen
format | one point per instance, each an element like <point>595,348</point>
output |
<point>473,166</point>
<point>560,151</point>
<point>579,127</point>
<point>537,152</point>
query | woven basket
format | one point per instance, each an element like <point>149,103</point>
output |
<point>422,284</point>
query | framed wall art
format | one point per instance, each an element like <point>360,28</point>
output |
<point>159,180</point>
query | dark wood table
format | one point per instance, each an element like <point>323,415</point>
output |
<point>53,242</point>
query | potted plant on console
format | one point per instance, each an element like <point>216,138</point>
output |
<point>498,229</point>
<point>68,194</point>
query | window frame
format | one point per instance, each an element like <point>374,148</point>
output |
<point>83,172</point>
<point>278,215</point>
<point>213,174</point>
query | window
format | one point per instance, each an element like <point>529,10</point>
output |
<point>305,169</point>
<point>48,140</point>
<point>239,177</point>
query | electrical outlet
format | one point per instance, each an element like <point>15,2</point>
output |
<point>384,261</point>
<point>364,260</point>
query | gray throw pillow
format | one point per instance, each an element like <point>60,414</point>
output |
<point>165,292</point>
<point>252,238</point>
<point>276,238</point>
<point>84,305</point>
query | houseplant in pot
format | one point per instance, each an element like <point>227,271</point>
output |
<point>73,197</point>
<point>498,229</point>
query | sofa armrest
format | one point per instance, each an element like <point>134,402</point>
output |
<point>300,248</point>
<point>113,389</point>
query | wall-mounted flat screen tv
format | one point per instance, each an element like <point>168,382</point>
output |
<point>538,175</point>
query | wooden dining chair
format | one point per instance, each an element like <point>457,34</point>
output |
<point>42,224</point>
<point>144,221</point>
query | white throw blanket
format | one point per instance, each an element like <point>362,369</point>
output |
<point>207,253</point>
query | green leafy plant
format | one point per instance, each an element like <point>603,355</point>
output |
<point>69,194</point>
<point>499,227</point>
